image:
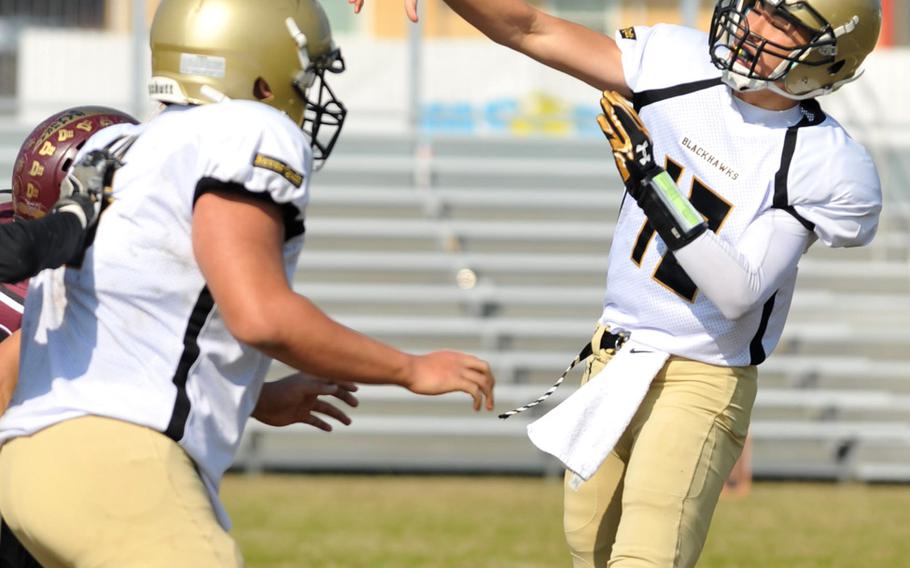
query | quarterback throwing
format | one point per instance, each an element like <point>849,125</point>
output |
<point>732,170</point>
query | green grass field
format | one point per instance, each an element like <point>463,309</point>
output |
<point>505,522</point>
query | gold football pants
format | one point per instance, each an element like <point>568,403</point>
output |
<point>650,503</point>
<point>104,493</point>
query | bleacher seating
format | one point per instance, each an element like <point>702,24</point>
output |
<point>499,246</point>
<point>531,221</point>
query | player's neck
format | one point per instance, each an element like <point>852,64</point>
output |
<point>766,99</point>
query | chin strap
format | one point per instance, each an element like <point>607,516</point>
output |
<point>214,94</point>
<point>742,84</point>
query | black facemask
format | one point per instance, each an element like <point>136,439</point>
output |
<point>324,114</point>
<point>731,41</point>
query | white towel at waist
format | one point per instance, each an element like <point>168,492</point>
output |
<point>583,429</point>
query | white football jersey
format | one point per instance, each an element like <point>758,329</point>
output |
<point>735,161</point>
<point>134,333</point>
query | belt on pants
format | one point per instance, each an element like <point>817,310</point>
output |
<point>607,341</point>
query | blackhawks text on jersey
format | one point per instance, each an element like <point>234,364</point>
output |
<point>735,161</point>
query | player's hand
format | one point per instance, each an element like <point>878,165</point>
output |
<point>88,185</point>
<point>443,372</point>
<point>298,397</point>
<point>410,8</point>
<point>668,211</point>
<point>629,140</point>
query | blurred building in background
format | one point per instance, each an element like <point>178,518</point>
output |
<point>54,53</point>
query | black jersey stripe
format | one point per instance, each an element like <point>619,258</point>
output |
<point>293,226</point>
<point>645,98</point>
<point>756,349</point>
<point>204,306</point>
<point>781,191</point>
<point>812,115</point>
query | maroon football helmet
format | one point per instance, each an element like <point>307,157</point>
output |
<point>48,152</point>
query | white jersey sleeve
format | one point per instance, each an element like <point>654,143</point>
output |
<point>661,56</point>
<point>840,195</point>
<point>266,159</point>
<point>633,43</point>
<point>745,168</point>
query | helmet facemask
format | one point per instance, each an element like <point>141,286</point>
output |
<point>738,52</point>
<point>324,114</point>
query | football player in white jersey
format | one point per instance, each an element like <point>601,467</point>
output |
<point>51,213</point>
<point>144,364</point>
<point>43,226</point>
<point>733,171</point>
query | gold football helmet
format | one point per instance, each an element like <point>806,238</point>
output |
<point>273,51</point>
<point>841,34</point>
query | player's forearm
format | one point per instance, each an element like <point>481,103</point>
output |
<point>740,280</point>
<point>300,335</point>
<point>583,53</point>
<point>28,247</point>
<point>723,276</point>
<point>9,368</point>
<point>507,22</point>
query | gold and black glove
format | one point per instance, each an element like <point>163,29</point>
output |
<point>669,211</point>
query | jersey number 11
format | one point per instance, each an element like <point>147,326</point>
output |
<point>669,273</point>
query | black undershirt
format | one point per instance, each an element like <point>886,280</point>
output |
<point>28,247</point>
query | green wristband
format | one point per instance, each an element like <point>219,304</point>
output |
<point>677,204</point>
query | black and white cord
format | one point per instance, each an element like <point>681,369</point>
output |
<point>608,341</point>
<point>584,354</point>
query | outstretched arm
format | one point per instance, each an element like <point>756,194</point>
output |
<point>243,267</point>
<point>28,247</point>
<point>566,46</point>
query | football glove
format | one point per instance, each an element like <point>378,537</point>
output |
<point>88,186</point>
<point>629,139</point>
<point>669,211</point>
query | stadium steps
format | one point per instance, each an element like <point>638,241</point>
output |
<point>397,222</point>
<point>567,269</point>
<point>472,333</point>
<point>395,430</point>
<point>372,299</point>
<point>536,242</point>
